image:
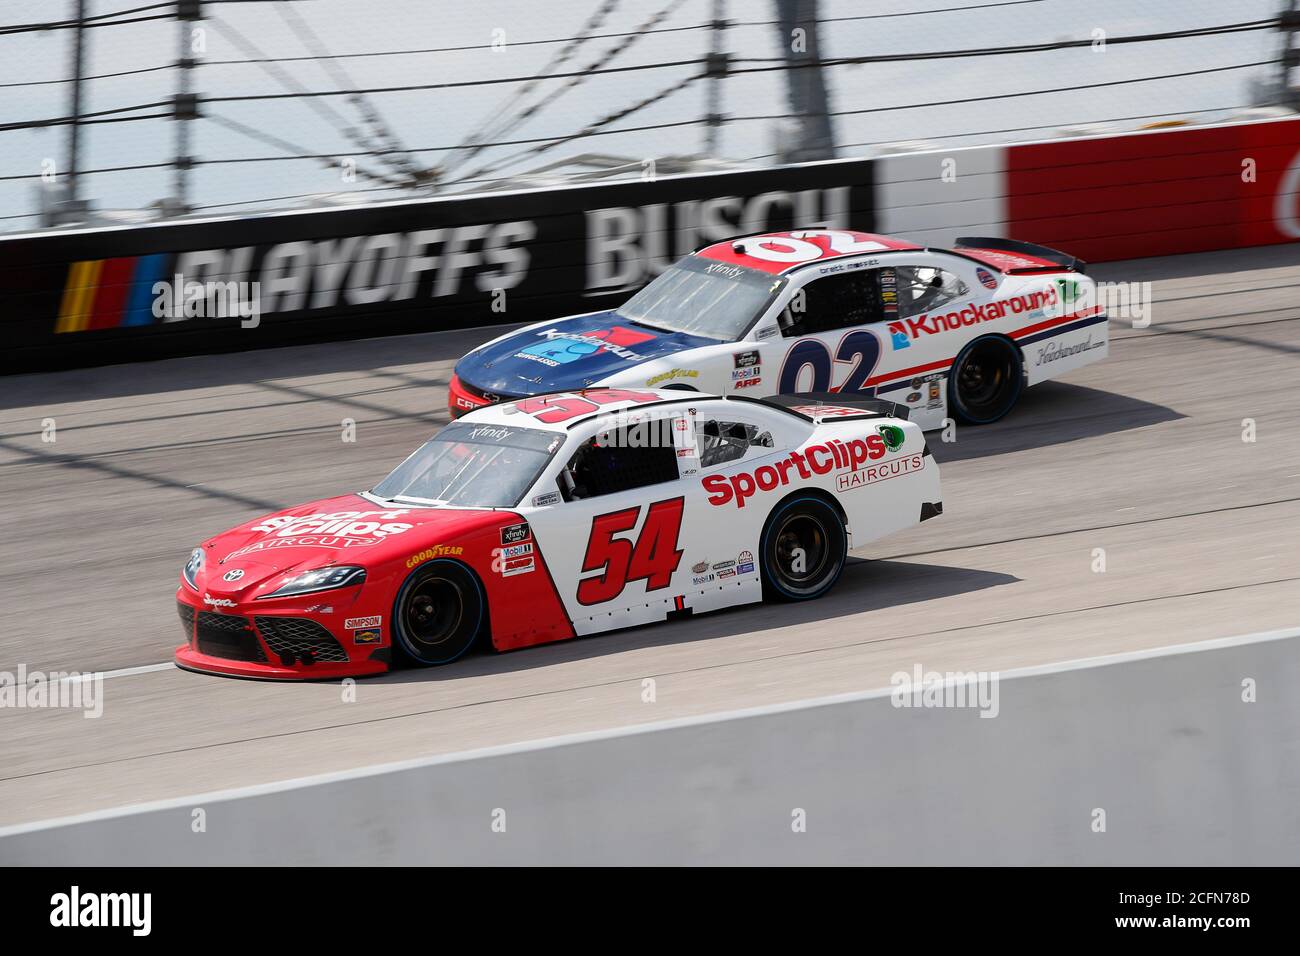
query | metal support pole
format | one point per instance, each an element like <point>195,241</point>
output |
<point>797,22</point>
<point>70,198</point>
<point>1289,62</point>
<point>717,71</point>
<point>188,12</point>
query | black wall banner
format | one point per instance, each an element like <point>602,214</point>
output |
<point>91,297</point>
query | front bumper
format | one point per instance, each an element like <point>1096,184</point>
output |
<point>287,645</point>
<point>463,397</point>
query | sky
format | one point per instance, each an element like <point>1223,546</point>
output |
<point>33,64</point>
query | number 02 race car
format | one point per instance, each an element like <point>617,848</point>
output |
<point>942,332</point>
<point>554,517</point>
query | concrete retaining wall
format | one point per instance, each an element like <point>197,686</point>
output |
<point>1186,772</point>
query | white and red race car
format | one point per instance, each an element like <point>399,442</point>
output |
<point>558,516</point>
<point>944,333</point>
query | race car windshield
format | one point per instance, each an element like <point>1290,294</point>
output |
<point>476,466</point>
<point>716,300</point>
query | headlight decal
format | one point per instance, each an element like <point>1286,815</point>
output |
<point>320,579</point>
<point>192,568</point>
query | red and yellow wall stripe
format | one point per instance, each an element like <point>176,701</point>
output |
<point>109,293</point>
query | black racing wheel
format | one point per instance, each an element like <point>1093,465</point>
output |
<point>438,613</point>
<point>802,549</point>
<point>985,381</point>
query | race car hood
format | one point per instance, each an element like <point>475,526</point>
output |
<point>568,353</point>
<point>348,530</point>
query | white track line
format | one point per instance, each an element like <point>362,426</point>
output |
<point>123,672</point>
<point>373,770</point>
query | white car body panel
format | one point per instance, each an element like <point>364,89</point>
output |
<point>906,359</point>
<point>720,526</point>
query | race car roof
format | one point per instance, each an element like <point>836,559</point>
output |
<point>558,411</point>
<point>780,252</point>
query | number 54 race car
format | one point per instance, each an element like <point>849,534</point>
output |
<point>944,332</point>
<point>554,517</point>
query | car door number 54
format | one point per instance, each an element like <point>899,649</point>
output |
<point>652,558</point>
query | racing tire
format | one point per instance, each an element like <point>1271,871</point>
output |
<point>986,380</point>
<point>806,524</point>
<point>437,614</point>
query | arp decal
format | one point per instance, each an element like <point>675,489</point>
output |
<point>653,558</point>
<point>987,279</point>
<point>559,347</point>
<point>509,567</point>
<point>834,455</point>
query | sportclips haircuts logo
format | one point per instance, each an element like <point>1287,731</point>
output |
<point>340,529</point>
<point>369,270</point>
<point>851,461</point>
<point>973,314</point>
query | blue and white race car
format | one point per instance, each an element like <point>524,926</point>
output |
<point>943,333</point>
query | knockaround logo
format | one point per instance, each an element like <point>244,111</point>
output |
<point>1053,351</point>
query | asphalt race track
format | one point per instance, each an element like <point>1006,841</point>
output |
<point>1141,455</point>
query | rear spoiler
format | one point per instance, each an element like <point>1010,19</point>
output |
<point>1052,260</point>
<point>804,406</point>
